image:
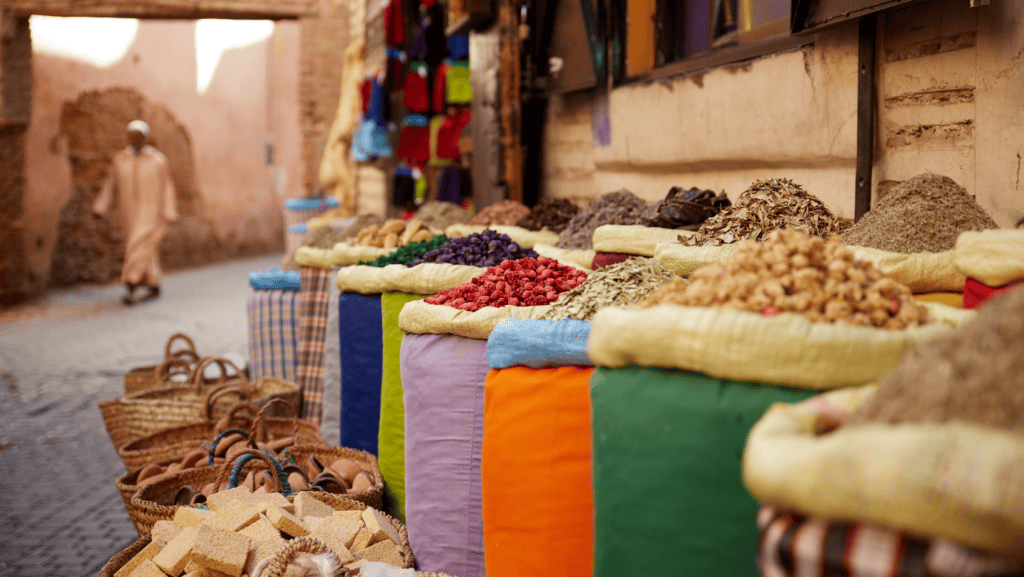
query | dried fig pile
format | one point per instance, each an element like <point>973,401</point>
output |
<point>686,209</point>
<point>775,204</point>
<point>551,214</point>
<point>795,272</point>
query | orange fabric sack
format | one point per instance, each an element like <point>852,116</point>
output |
<point>538,493</point>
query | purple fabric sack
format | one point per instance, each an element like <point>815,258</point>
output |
<point>443,388</point>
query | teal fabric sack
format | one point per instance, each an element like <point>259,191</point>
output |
<point>668,489</point>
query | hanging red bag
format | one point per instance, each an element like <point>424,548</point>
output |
<point>450,132</point>
<point>417,93</point>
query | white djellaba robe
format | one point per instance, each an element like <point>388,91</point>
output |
<point>145,193</point>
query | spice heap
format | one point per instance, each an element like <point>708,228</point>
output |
<point>487,248</point>
<point>242,528</point>
<point>776,204</point>
<point>518,283</point>
<point>324,237</point>
<point>507,212</point>
<point>440,215</point>
<point>794,272</point>
<point>973,375</point>
<point>924,214</point>
<point>625,283</point>
<point>687,209</point>
<point>362,221</point>
<point>393,233</point>
<point>551,214</point>
<point>409,253</point>
<point>621,207</point>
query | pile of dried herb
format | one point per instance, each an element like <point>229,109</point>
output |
<point>626,283</point>
<point>324,237</point>
<point>775,204</point>
<point>551,214</point>
<point>924,214</point>
<point>622,207</point>
<point>974,375</point>
<point>440,215</point>
<point>506,212</point>
<point>686,209</point>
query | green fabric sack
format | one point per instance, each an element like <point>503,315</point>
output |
<point>391,440</point>
<point>668,487</point>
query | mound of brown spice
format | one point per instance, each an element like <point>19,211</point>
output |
<point>924,214</point>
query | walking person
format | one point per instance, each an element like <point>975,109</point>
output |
<point>141,179</point>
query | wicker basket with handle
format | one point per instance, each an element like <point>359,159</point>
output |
<point>142,378</point>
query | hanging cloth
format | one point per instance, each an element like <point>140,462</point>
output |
<point>449,132</point>
<point>440,83</point>
<point>414,140</point>
<point>458,89</point>
<point>394,23</point>
<point>417,95</point>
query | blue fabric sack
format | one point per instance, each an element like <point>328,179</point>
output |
<point>538,344</point>
<point>361,337</point>
<point>274,279</point>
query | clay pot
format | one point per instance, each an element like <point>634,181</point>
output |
<point>278,444</point>
<point>227,442</point>
<point>347,468</point>
<point>361,484</point>
<point>198,457</point>
<point>148,471</point>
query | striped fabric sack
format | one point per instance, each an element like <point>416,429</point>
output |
<point>797,546</point>
<point>314,296</point>
<point>273,329</point>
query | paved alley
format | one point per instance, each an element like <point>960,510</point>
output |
<point>60,513</point>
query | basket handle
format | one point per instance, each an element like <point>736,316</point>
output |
<point>166,369</point>
<point>231,471</point>
<point>189,345</point>
<point>307,544</point>
<point>197,374</point>
<point>259,426</point>
<point>243,391</point>
<point>221,435</point>
<point>232,413</point>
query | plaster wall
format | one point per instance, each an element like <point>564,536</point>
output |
<point>228,126</point>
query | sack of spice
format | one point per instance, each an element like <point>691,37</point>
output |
<point>627,283</point>
<point>633,239</point>
<point>622,207</point>
<point>551,214</point>
<point>935,450</point>
<point>994,257</point>
<point>410,253</point>
<point>345,253</point>
<point>521,236</point>
<point>734,326</point>
<point>507,212</point>
<point>423,279</point>
<point>440,215</point>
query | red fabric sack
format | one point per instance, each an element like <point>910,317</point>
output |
<point>414,144</point>
<point>977,292</point>
<point>449,133</point>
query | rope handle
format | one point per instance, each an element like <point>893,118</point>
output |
<point>172,366</point>
<point>197,375</point>
<point>259,426</point>
<point>232,414</point>
<point>307,544</point>
<point>221,435</point>
<point>190,346</point>
<point>233,471</point>
<point>243,390</point>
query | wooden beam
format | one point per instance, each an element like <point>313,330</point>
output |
<point>164,9</point>
<point>511,102</point>
<point>865,115</point>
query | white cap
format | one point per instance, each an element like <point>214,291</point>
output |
<point>138,126</point>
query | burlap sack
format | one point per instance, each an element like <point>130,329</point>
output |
<point>344,254</point>
<point>683,260</point>
<point>423,279</point>
<point>956,481</point>
<point>923,272</point>
<point>579,258</point>
<point>523,237</point>
<point>994,257</point>
<point>634,239</point>
<point>785,349</point>
<point>314,257</point>
<point>422,318</point>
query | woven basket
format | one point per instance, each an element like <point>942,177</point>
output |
<point>338,502</point>
<point>127,486</point>
<point>152,502</point>
<point>141,378</point>
<point>373,497</point>
<point>179,441</point>
<point>169,405</point>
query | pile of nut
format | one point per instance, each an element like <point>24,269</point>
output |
<point>795,272</point>
<point>393,234</point>
<point>506,212</point>
<point>241,530</point>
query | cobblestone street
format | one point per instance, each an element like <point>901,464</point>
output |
<point>59,509</point>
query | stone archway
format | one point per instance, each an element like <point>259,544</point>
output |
<point>93,125</point>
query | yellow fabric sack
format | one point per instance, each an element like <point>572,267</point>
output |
<point>523,237</point>
<point>923,272</point>
<point>634,239</point>
<point>423,279</point>
<point>994,257</point>
<point>345,253</point>
<point>955,480</point>
<point>785,349</point>
<point>314,257</point>
<point>579,258</point>
<point>683,260</point>
<point>421,318</point>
